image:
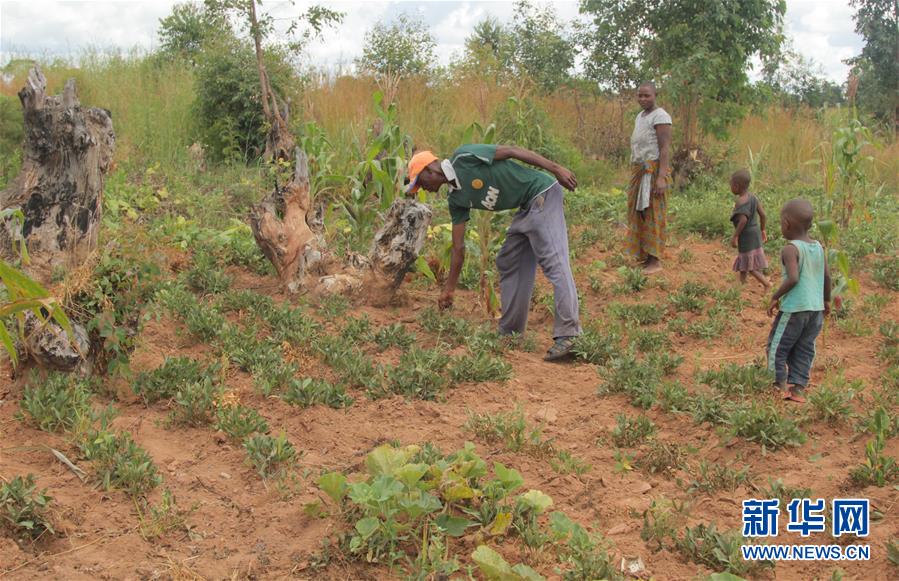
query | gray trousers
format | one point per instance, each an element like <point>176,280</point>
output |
<point>538,235</point>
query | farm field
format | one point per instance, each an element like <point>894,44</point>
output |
<point>230,429</point>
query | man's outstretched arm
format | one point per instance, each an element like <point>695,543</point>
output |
<point>565,177</point>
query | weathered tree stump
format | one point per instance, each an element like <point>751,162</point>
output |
<point>66,153</point>
<point>281,231</point>
<point>399,241</point>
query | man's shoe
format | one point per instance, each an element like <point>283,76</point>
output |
<point>563,348</point>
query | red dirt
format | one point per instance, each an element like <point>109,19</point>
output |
<point>242,530</point>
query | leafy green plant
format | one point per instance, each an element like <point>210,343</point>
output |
<point>158,520</point>
<point>832,401</point>
<point>478,366</point>
<point>737,380</point>
<point>649,341</point>
<point>270,456</point>
<point>661,458</point>
<point>334,306</point>
<point>119,462</point>
<point>632,280</point>
<point>720,551</point>
<point>599,346</point>
<point>165,381</point>
<point>357,329</point>
<point>708,408</point>
<point>24,508</point>
<point>419,374</point>
<point>638,313</point>
<point>494,567</point>
<point>637,378</point>
<point>711,477</point>
<point>673,397</point>
<point>205,274</point>
<point>777,489</point>
<point>632,431</point>
<point>878,468</point>
<point>889,348</point>
<point>445,326</point>
<point>239,421</point>
<point>690,297</point>
<point>308,392</point>
<point>195,403</point>
<point>510,429</point>
<point>585,555</point>
<point>566,463</point>
<point>205,322</point>
<point>661,521</point>
<point>54,403</point>
<point>394,335</point>
<point>763,424</point>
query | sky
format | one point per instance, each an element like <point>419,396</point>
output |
<point>822,30</point>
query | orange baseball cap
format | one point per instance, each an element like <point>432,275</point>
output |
<point>418,162</point>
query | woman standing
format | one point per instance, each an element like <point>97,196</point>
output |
<point>647,196</point>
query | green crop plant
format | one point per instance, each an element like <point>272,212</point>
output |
<point>118,462</point>
<point>832,401</point>
<point>886,273</point>
<point>626,374</point>
<point>777,489</point>
<point>308,392</point>
<point>598,346</point>
<point>889,347</point>
<point>511,430</point>
<point>419,374</point>
<point>649,341</point>
<point>195,403</point>
<point>478,366</point>
<point>763,424</point>
<point>632,432</point>
<point>690,297</point>
<point>357,329</point>
<point>239,422</point>
<point>334,306</point>
<point>271,457</point>
<point>292,325</point>
<point>585,555</point>
<point>165,517</point>
<point>661,458</point>
<point>566,463</point>
<point>711,477</point>
<point>55,402</point>
<point>661,521</point>
<point>206,275</point>
<point>878,468</point>
<point>24,509</point>
<point>174,374</point>
<point>708,408</point>
<point>638,313</point>
<point>394,335</point>
<point>632,280</point>
<point>673,397</point>
<point>247,301</point>
<point>737,380</point>
<point>719,551</point>
<point>205,322</point>
<point>445,326</point>
<point>665,362</point>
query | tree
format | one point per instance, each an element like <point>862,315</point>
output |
<point>795,79</point>
<point>185,31</point>
<point>877,67</point>
<point>403,48</point>
<point>699,49</point>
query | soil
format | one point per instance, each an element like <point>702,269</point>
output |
<point>244,528</point>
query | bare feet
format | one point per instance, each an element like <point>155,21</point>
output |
<point>793,394</point>
<point>652,265</point>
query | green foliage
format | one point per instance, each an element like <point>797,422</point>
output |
<point>445,326</point>
<point>239,421</point>
<point>495,568</point>
<point>711,477</point>
<point>632,431</point>
<point>479,366</point>
<point>876,66</point>
<point>831,402</point>
<point>393,335</point>
<point>719,551</point>
<point>54,403</point>
<point>566,463</point>
<point>23,508</point>
<point>119,462</point>
<point>738,380</point>
<point>878,468</point>
<point>308,392</point>
<point>166,380</point>
<point>632,280</point>
<point>673,397</point>
<point>689,297</point>
<point>886,272</point>
<point>205,274</point>
<point>403,48</point>
<point>12,131</point>
<point>763,424</point>
<point>585,554</point>
<point>637,378</point>
<point>777,489</point>
<point>638,313</point>
<point>649,341</point>
<point>419,374</point>
<point>596,345</point>
<point>195,403</point>
<point>167,516</point>
<point>270,456</point>
<point>661,521</point>
<point>511,430</point>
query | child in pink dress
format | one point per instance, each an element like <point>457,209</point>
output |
<point>748,218</point>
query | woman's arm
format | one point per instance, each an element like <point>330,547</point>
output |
<point>565,177</point>
<point>663,135</point>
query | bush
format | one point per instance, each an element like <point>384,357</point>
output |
<point>419,374</point>
<point>886,273</point>
<point>56,403</point>
<point>24,508</point>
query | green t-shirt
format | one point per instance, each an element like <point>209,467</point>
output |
<point>488,185</point>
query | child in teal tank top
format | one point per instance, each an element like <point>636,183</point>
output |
<point>803,300</point>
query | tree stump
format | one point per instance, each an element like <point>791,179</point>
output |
<point>399,241</point>
<point>281,230</point>
<point>67,152</point>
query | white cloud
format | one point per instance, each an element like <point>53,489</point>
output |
<point>822,29</point>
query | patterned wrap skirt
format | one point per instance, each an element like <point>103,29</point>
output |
<point>646,230</point>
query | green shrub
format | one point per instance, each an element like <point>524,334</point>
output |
<point>165,381</point>
<point>636,378</point>
<point>24,508</point>
<point>55,403</point>
<point>270,456</point>
<point>632,431</point>
<point>597,345</point>
<point>195,403</point>
<point>205,274</point>
<point>419,374</point>
<point>673,397</point>
<point>763,424</point>
<point>239,422</point>
<point>119,462</point>
<point>309,392</point>
<point>738,380</point>
<point>479,366</point>
<point>886,273</point>
<point>394,335</point>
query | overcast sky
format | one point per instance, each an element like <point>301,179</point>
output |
<point>822,30</point>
